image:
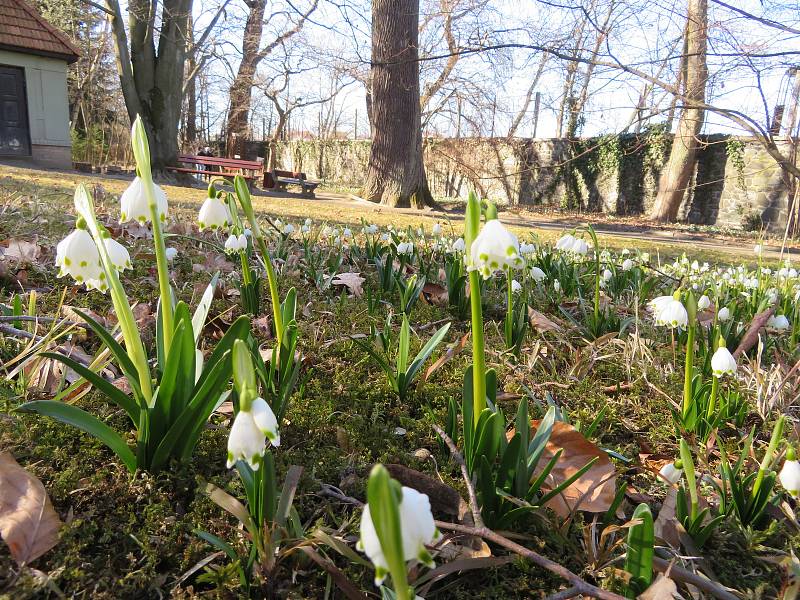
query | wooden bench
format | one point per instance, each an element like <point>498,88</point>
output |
<point>280,180</point>
<point>215,165</point>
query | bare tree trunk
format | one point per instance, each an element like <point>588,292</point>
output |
<point>678,170</point>
<point>190,130</point>
<point>152,78</point>
<point>395,173</point>
<point>237,129</point>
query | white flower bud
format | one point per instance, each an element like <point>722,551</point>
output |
<point>516,286</point>
<point>723,362</point>
<point>77,256</point>
<point>213,214</point>
<point>778,322</point>
<point>724,314</point>
<point>671,473</point>
<point>790,474</point>
<point>133,203</point>
<point>495,248</point>
<point>627,264</point>
<point>703,303</point>
<point>417,531</point>
<point>537,274</point>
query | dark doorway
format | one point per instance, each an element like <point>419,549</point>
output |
<point>14,134</point>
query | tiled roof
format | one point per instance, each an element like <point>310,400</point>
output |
<point>23,29</point>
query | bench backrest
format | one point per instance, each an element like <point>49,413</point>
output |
<point>217,161</point>
<point>293,175</point>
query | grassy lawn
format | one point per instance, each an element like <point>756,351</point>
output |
<point>135,536</point>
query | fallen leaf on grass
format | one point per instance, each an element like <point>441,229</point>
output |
<point>352,281</point>
<point>666,527</point>
<point>542,323</point>
<point>435,294</point>
<point>213,263</point>
<point>594,491</point>
<point>28,522</point>
<point>451,352</point>
<point>750,338</point>
<point>20,251</point>
<point>663,588</point>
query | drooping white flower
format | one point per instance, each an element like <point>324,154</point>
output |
<point>308,221</point>
<point>703,303</point>
<point>213,214</point>
<point>266,421</point>
<point>436,229</point>
<point>565,242</point>
<point>516,286</point>
<point>405,248</point>
<point>669,312</point>
<point>458,245</point>
<point>557,285</point>
<point>495,248</point>
<point>118,254</point>
<point>724,314</point>
<point>346,233</point>
<point>671,473</point>
<point>133,203</point>
<point>236,243</point>
<point>417,530</point>
<point>779,322</point>
<point>723,362</point>
<point>246,441</point>
<point>607,275</point>
<point>77,256</point>
<point>757,250</point>
<point>627,264</point>
<point>526,249</point>
<point>790,473</point>
<point>171,253</point>
<point>250,431</point>
<point>288,229</point>
<point>537,274</point>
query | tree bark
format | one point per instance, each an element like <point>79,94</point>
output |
<point>395,173</point>
<point>237,129</point>
<point>678,170</point>
<point>152,78</point>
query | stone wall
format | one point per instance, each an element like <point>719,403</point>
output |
<point>735,180</point>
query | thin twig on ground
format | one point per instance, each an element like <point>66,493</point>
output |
<point>473,498</point>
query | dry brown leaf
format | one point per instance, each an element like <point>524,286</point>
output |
<point>20,251</point>
<point>542,323</point>
<point>750,338</point>
<point>451,352</point>
<point>435,294</point>
<point>214,262</point>
<point>352,281</point>
<point>594,491</point>
<point>666,527</point>
<point>663,588</point>
<point>28,522</point>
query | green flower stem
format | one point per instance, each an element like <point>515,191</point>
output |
<point>246,278</point>
<point>478,348</point>
<point>509,308</point>
<point>271,281</point>
<point>713,398</point>
<point>243,194</point>
<point>691,481</point>
<point>766,462</point>
<point>689,369</point>
<point>122,306</point>
<point>161,266</point>
<point>596,274</point>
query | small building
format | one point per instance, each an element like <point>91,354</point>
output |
<point>34,106</point>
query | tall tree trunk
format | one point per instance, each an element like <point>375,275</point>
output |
<point>395,173</point>
<point>237,128</point>
<point>678,170</point>
<point>152,78</point>
<point>190,129</point>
